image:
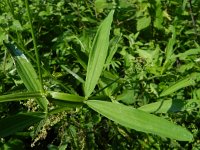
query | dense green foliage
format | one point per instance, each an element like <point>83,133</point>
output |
<point>139,57</point>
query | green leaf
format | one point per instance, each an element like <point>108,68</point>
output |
<point>159,15</point>
<point>66,97</point>
<point>20,96</point>
<point>140,120</point>
<point>127,97</point>
<point>64,106</point>
<point>98,54</point>
<point>178,85</point>
<point>183,56</point>
<point>18,122</point>
<point>73,74</point>
<point>113,48</point>
<point>143,23</point>
<point>27,73</point>
<point>16,26</point>
<point>171,106</point>
<point>169,51</point>
<point>100,5</point>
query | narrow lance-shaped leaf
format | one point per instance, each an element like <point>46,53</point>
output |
<point>98,54</point>
<point>178,85</point>
<point>18,122</point>
<point>183,56</point>
<point>159,15</point>
<point>27,73</point>
<point>113,48</point>
<point>169,51</point>
<point>171,106</point>
<point>66,97</point>
<point>20,96</point>
<point>140,120</point>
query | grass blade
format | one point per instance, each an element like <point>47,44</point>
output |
<point>27,73</point>
<point>18,122</point>
<point>140,120</point>
<point>20,96</point>
<point>98,55</point>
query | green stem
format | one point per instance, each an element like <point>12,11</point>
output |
<point>34,42</point>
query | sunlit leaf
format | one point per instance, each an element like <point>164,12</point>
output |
<point>183,56</point>
<point>98,54</point>
<point>66,97</point>
<point>178,85</point>
<point>169,51</point>
<point>171,106</point>
<point>140,120</point>
<point>159,15</point>
<point>100,5</point>
<point>143,23</point>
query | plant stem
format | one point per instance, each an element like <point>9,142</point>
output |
<point>34,42</point>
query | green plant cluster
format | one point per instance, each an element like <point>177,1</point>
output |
<point>101,74</point>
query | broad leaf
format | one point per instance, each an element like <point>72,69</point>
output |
<point>98,54</point>
<point>140,120</point>
<point>27,73</point>
<point>18,122</point>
